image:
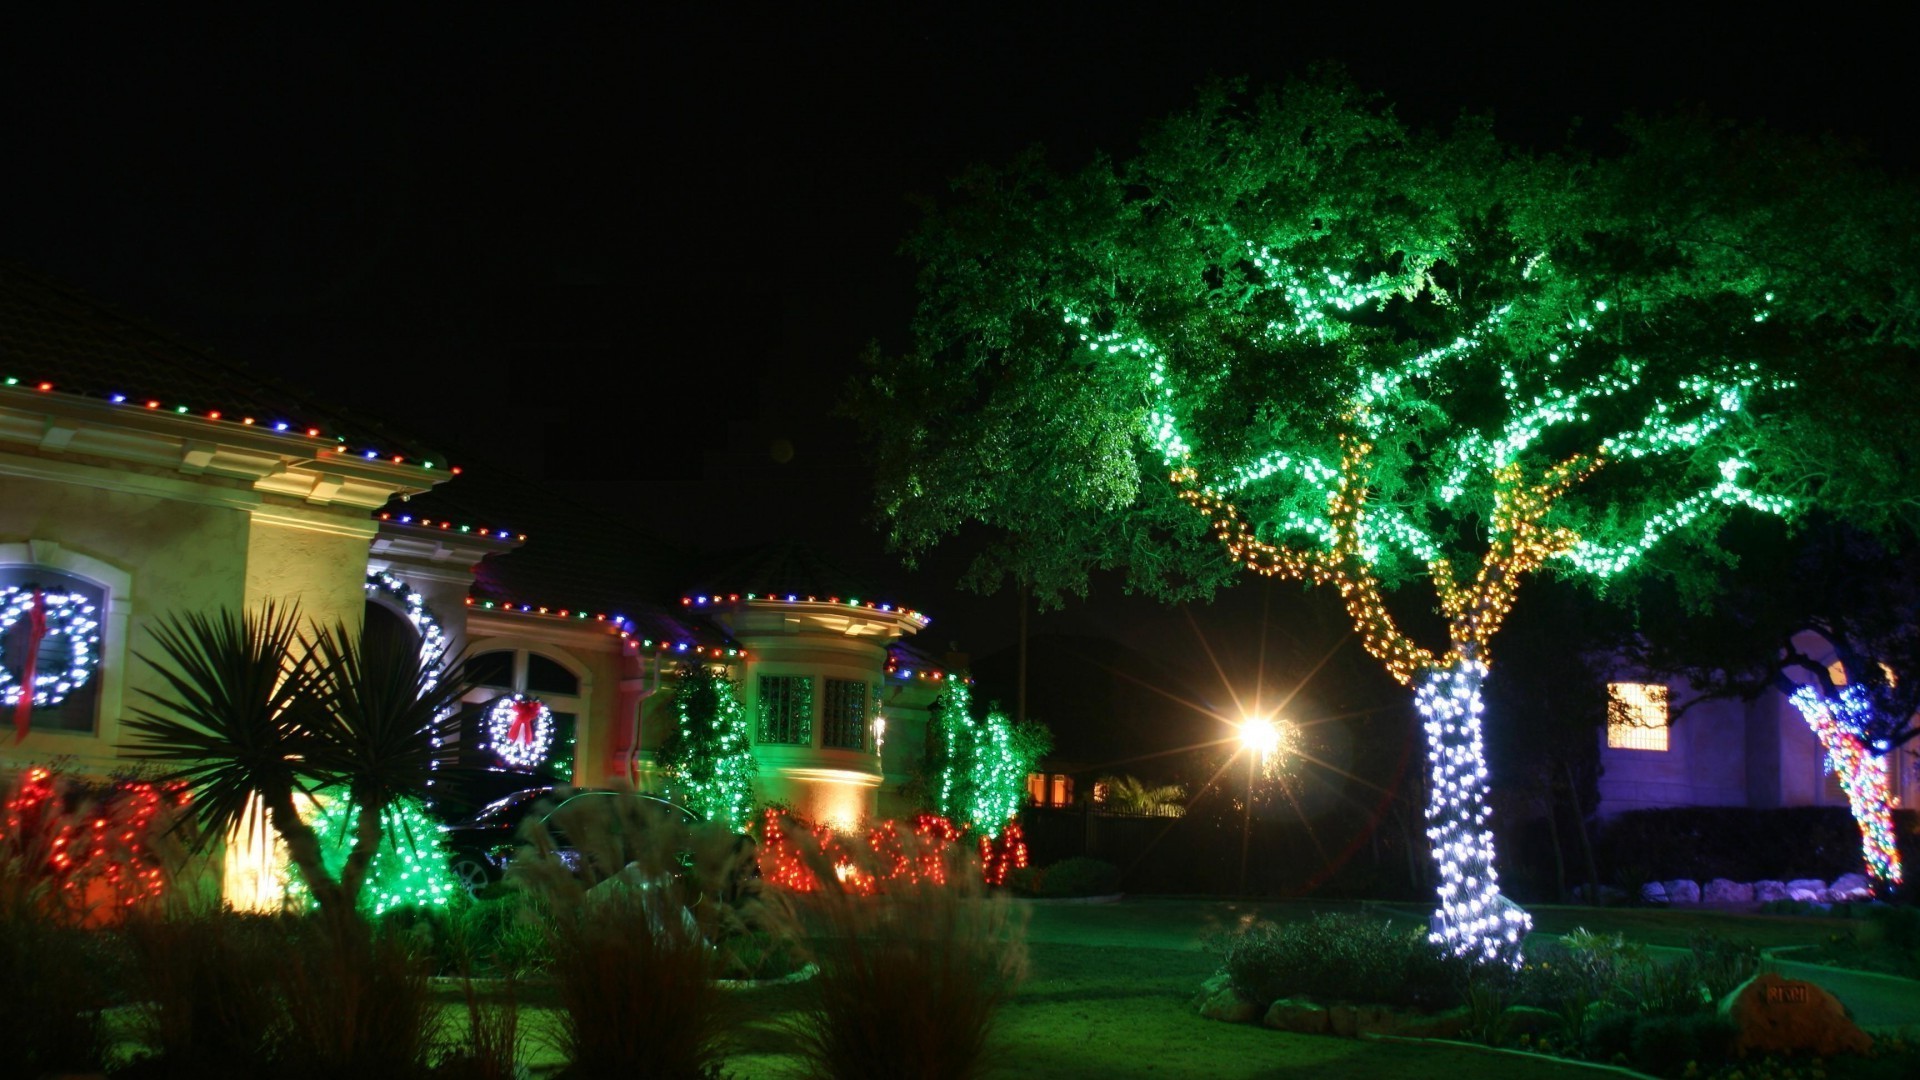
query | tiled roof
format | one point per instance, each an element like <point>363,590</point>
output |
<point>53,335</point>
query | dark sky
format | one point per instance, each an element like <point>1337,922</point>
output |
<point>640,248</point>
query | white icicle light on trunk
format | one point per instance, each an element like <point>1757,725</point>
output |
<point>1473,921</point>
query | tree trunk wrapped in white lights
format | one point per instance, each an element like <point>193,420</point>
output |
<point>1473,921</point>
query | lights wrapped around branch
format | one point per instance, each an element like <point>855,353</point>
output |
<point>1841,723</point>
<point>64,645</point>
<point>520,730</point>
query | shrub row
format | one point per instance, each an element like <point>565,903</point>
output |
<point>1701,843</point>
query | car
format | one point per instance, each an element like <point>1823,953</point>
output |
<point>480,847</point>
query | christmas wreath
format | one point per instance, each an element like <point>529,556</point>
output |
<point>520,730</point>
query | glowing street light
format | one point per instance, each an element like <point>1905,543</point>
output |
<point>1261,737</point>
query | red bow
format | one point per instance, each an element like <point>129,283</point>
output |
<point>524,714</point>
<point>36,629</point>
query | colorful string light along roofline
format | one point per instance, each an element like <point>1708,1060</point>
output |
<point>277,427</point>
<point>619,624</point>
<point>448,526</point>
<point>717,600</point>
<point>894,670</point>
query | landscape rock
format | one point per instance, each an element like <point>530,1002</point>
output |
<point>1451,1024</point>
<point>1653,892</point>
<point>1355,1020</point>
<point>1775,1015</point>
<point>1218,1000</point>
<point>1768,891</point>
<point>1849,888</point>
<point>1810,890</point>
<point>1300,1017</point>
<point>1722,891</point>
<point>1682,892</point>
<point>1521,1020</point>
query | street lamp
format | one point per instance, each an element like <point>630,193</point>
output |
<point>1260,737</point>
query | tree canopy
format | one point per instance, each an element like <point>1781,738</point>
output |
<point>1278,283</point>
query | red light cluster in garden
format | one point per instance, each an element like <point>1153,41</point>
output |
<point>923,860</point>
<point>998,858</point>
<point>108,850</point>
<point>279,427</point>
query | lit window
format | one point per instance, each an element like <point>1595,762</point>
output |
<point>786,709</point>
<point>1062,789</point>
<point>1037,788</point>
<point>523,671</point>
<point>1636,716</point>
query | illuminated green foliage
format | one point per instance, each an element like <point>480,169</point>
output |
<point>980,765</point>
<point>409,868</point>
<point>709,758</point>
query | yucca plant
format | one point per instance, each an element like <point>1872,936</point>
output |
<point>255,709</point>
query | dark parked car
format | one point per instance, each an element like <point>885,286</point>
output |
<point>479,848</point>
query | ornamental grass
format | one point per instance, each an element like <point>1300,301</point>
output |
<point>910,978</point>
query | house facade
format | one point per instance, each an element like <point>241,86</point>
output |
<point>1664,746</point>
<point>141,478</point>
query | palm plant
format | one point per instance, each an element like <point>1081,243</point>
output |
<point>1129,794</point>
<point>256,710</point>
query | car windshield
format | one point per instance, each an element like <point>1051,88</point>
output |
<point>501,807</point>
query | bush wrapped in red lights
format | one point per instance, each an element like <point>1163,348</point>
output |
<point>793,854</point>
<point>85,854</point>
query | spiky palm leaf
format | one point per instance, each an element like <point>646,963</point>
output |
<point>1131,795</point>
<point>226,726</point>
<point>377,709</point>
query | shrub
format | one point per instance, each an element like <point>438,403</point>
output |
<point>205,991</point>
<point>911,978</point>
<point>1705,842</point>
<point>1341,958</point>
<point>1079,877</point>
<point>56,991</point>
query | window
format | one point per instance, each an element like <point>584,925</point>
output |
<point>786,709</point>
<point>1051,790</point>
<point>843,720</point>
<point>1037,788</point>
<point>65,646</point>
<point>523,671</point>
<point>1636,716</point>
<point>1062,789</point>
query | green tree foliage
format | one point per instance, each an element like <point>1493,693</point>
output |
<point>977,766</point>
<point>709,757</point>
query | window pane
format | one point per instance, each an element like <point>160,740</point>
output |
<point>559,763</point>
<point>493,670</point>
<point>1037,788</point>
<point>1637,716</point>
<point>546,676</point>
<point>786,709</point>
<point>844,719</point>
<point>65,650</point>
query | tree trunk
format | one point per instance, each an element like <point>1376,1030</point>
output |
<point>303,847</point>
<point>366,841</point>
<point>1473,920</point>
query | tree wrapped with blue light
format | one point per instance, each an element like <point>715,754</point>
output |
<point>709,758</point>
<point>1859,724</point>
<point>980,763</point>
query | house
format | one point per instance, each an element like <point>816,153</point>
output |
<point>1723,752</point>
<point>141,477</point>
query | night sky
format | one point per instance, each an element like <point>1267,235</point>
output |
<point>641,250</point>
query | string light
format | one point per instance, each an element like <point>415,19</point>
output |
<point>711,764</point>
<point>1843,723</point>
<point>409,869</point>
<point>448,526</point>
<point>727,599</point>
<point>71,627</point>
<point>280,427</point>
<point>1324,525</point>
<point>520,730</point>
<point>983,767</point>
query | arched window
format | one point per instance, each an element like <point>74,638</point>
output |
<point>63,646</point>
<point>500,672</point>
